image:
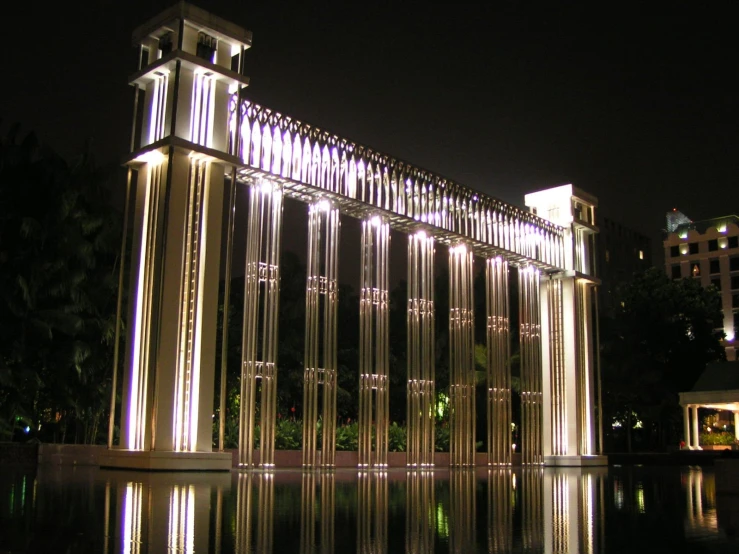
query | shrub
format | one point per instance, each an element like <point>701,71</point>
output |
<point>396,438</point>
<point>347,437</point>
<point>442,438</point>
<point>288,434</point>
<point>713,439</point>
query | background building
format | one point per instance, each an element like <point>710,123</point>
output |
<point>621,253</point>
<point>708,250</point>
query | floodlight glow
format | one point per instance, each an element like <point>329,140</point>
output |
<point>153,157</point>
<point>323,205</point>
<point>376,221</point>
<point>266,186</point>
<point>421,235</point>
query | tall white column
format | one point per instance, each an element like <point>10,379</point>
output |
<point>696,431</point>
<point>736,424</point>
<point>686,425</point>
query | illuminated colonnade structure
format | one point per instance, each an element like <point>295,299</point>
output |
<point>196,141</point>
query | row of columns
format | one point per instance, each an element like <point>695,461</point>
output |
<point>260,346</point>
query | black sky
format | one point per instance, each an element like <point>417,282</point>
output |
<point>636,108</point>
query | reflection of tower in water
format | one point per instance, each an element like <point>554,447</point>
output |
<point>569,500</point>
<point>163,513</point>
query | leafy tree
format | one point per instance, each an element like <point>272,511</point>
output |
<point>58,239</point>
<point>656,344</point>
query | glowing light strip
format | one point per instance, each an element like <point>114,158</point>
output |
<point>139,360</point>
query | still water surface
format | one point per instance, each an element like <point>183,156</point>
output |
<point>617,509</point>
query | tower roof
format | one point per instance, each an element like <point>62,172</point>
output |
<point>219,27</point>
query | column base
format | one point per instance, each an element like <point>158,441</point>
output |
<point>157,460</point>
<point>575,461</point>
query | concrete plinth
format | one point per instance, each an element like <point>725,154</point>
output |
<point>156,460</point>
<point>575,461</point>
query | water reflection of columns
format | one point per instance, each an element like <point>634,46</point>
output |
<point>373,343</point>
<point>185,505</point>
<point>261,300</point>
<point>498,368</point>
<point>462,511</point>
<point>532,509</point>
<point>531,365</point>
<point>244,540</point>
<point>372,512</point>
<point>462,357</point>
<point>694,498</point>
<point>320,333</point>
<point>570,510</point>
<point>325,512</point>
<point>500,510</point>
<point>421,351</point>
<point>420,512</point>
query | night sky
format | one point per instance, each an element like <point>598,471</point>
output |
<point>639,110</point>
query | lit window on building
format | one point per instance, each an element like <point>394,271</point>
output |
<point>715,267</point>
<point>641,254</point>
<point>206,47</point>
<point>693,247</point>
<point>676,272</point>
<point>695,270</point>
<point>713,245</point>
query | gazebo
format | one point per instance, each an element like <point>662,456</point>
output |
<point>718,389</point>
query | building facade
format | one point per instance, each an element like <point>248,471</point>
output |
<point>622,252</point>
<point>708,250</point>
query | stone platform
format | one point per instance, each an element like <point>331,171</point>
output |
<point>155,460</point>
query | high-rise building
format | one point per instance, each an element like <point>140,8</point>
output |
<point>622,252</point>
<point>709,250</point>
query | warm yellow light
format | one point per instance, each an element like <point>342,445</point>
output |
<point>153,157</point>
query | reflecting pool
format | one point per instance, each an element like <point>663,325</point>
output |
<point>617,509</point>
